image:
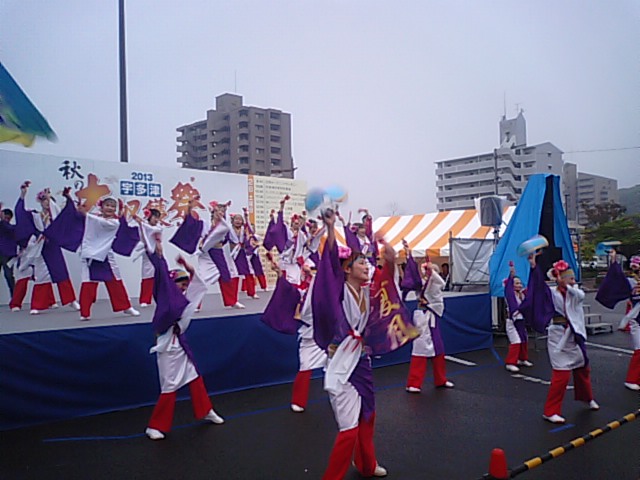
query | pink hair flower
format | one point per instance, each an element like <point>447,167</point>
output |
<point>343,252</point>
<point>561,266</point>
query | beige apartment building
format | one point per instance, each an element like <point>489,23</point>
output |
<point>238,138</point>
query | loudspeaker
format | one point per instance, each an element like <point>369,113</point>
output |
<point>491,211</point>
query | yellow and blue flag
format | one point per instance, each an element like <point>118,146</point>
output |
<point>20,120</point>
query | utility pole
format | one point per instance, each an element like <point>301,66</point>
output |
<point>124,141</point>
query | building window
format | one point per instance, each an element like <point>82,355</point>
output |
<point>275,150</point>
<point>213,132</point>
<point>275,162</point>
<point>259,139</point>
<point>274,116</point>
<point>259,115</point>
<point>243,125</point>
<point>243,136</point>
<point>244,160</point>
<point>274,128</point>
<point>260,151</point>
<point>260,128</point>
<point>275,138</point>
<point>243,149</point>
<point>214,144</point>
<point>244,113</point>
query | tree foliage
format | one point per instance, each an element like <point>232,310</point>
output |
<point>602,213</point>
<point>625,229</point>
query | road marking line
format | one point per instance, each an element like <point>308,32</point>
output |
<point>613,349</point>
<point>460,361</point>
<point>527,378</point>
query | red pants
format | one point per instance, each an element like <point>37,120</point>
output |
<point>300,395</point>
<point>517,351</point>
<point>19,292</point>
<point>229,291</point>
<point>42,296</point>
<point>418,369</point>
<point>146,291</point>
<point>356,444</point>
<point>249,285</point>
<point>162,416</point>
<point>633,374</point>
<point>262,280</point>
<point>558,387</point>
<point>117,294</point>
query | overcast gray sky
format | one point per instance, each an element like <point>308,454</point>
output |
<point>378,90</point>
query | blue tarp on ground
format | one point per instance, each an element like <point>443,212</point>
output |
<point>524,224</point>
<point>56,375</point>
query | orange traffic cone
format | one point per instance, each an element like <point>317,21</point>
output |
<point>498,464</point>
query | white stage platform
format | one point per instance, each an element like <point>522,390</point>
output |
<point>63,318</point>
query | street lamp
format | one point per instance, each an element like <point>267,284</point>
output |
<point>124,143</point>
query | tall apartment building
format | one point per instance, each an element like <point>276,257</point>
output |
<point>238,138</point>
<point>570,192</point>
<point>504,171</point>
<point>594,190</point>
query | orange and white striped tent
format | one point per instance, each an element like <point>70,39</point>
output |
<point>428,234</point>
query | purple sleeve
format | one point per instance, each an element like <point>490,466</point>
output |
<point>188,234</point>
<point>24,224</point>
<point>126,238</point>
<point>281,310</point>
<point>170,302</point>
<point>276,234</point>
<point>67,229</point>
<point>614,288</point>
<point>510,296</point>
<point>8,245</point>
<point>537,307</point>
<point>351,238</point>
<point>329,320</point>
<point>411,279</point>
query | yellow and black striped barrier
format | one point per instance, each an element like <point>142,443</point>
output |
<point>497,472</point>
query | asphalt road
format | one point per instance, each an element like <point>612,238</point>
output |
<point>438,434</point>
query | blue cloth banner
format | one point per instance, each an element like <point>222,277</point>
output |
<point>61,374</point>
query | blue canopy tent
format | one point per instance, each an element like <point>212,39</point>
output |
<point>539,212</point>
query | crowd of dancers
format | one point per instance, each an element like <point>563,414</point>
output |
<point>337,299</point>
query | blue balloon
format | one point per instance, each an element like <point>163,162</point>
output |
<point>336,193</point>
<point>314,199</point>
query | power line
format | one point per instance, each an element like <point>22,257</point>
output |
<point>604,150</point>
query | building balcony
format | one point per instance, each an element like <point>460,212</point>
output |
<point>185,148</point>
<point>475,191</point>
<point>458,205</point>
<point>482,163</point>
<point>482,177</point>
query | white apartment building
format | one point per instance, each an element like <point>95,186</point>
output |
<point>504,171</point>
<point>595,190</point>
